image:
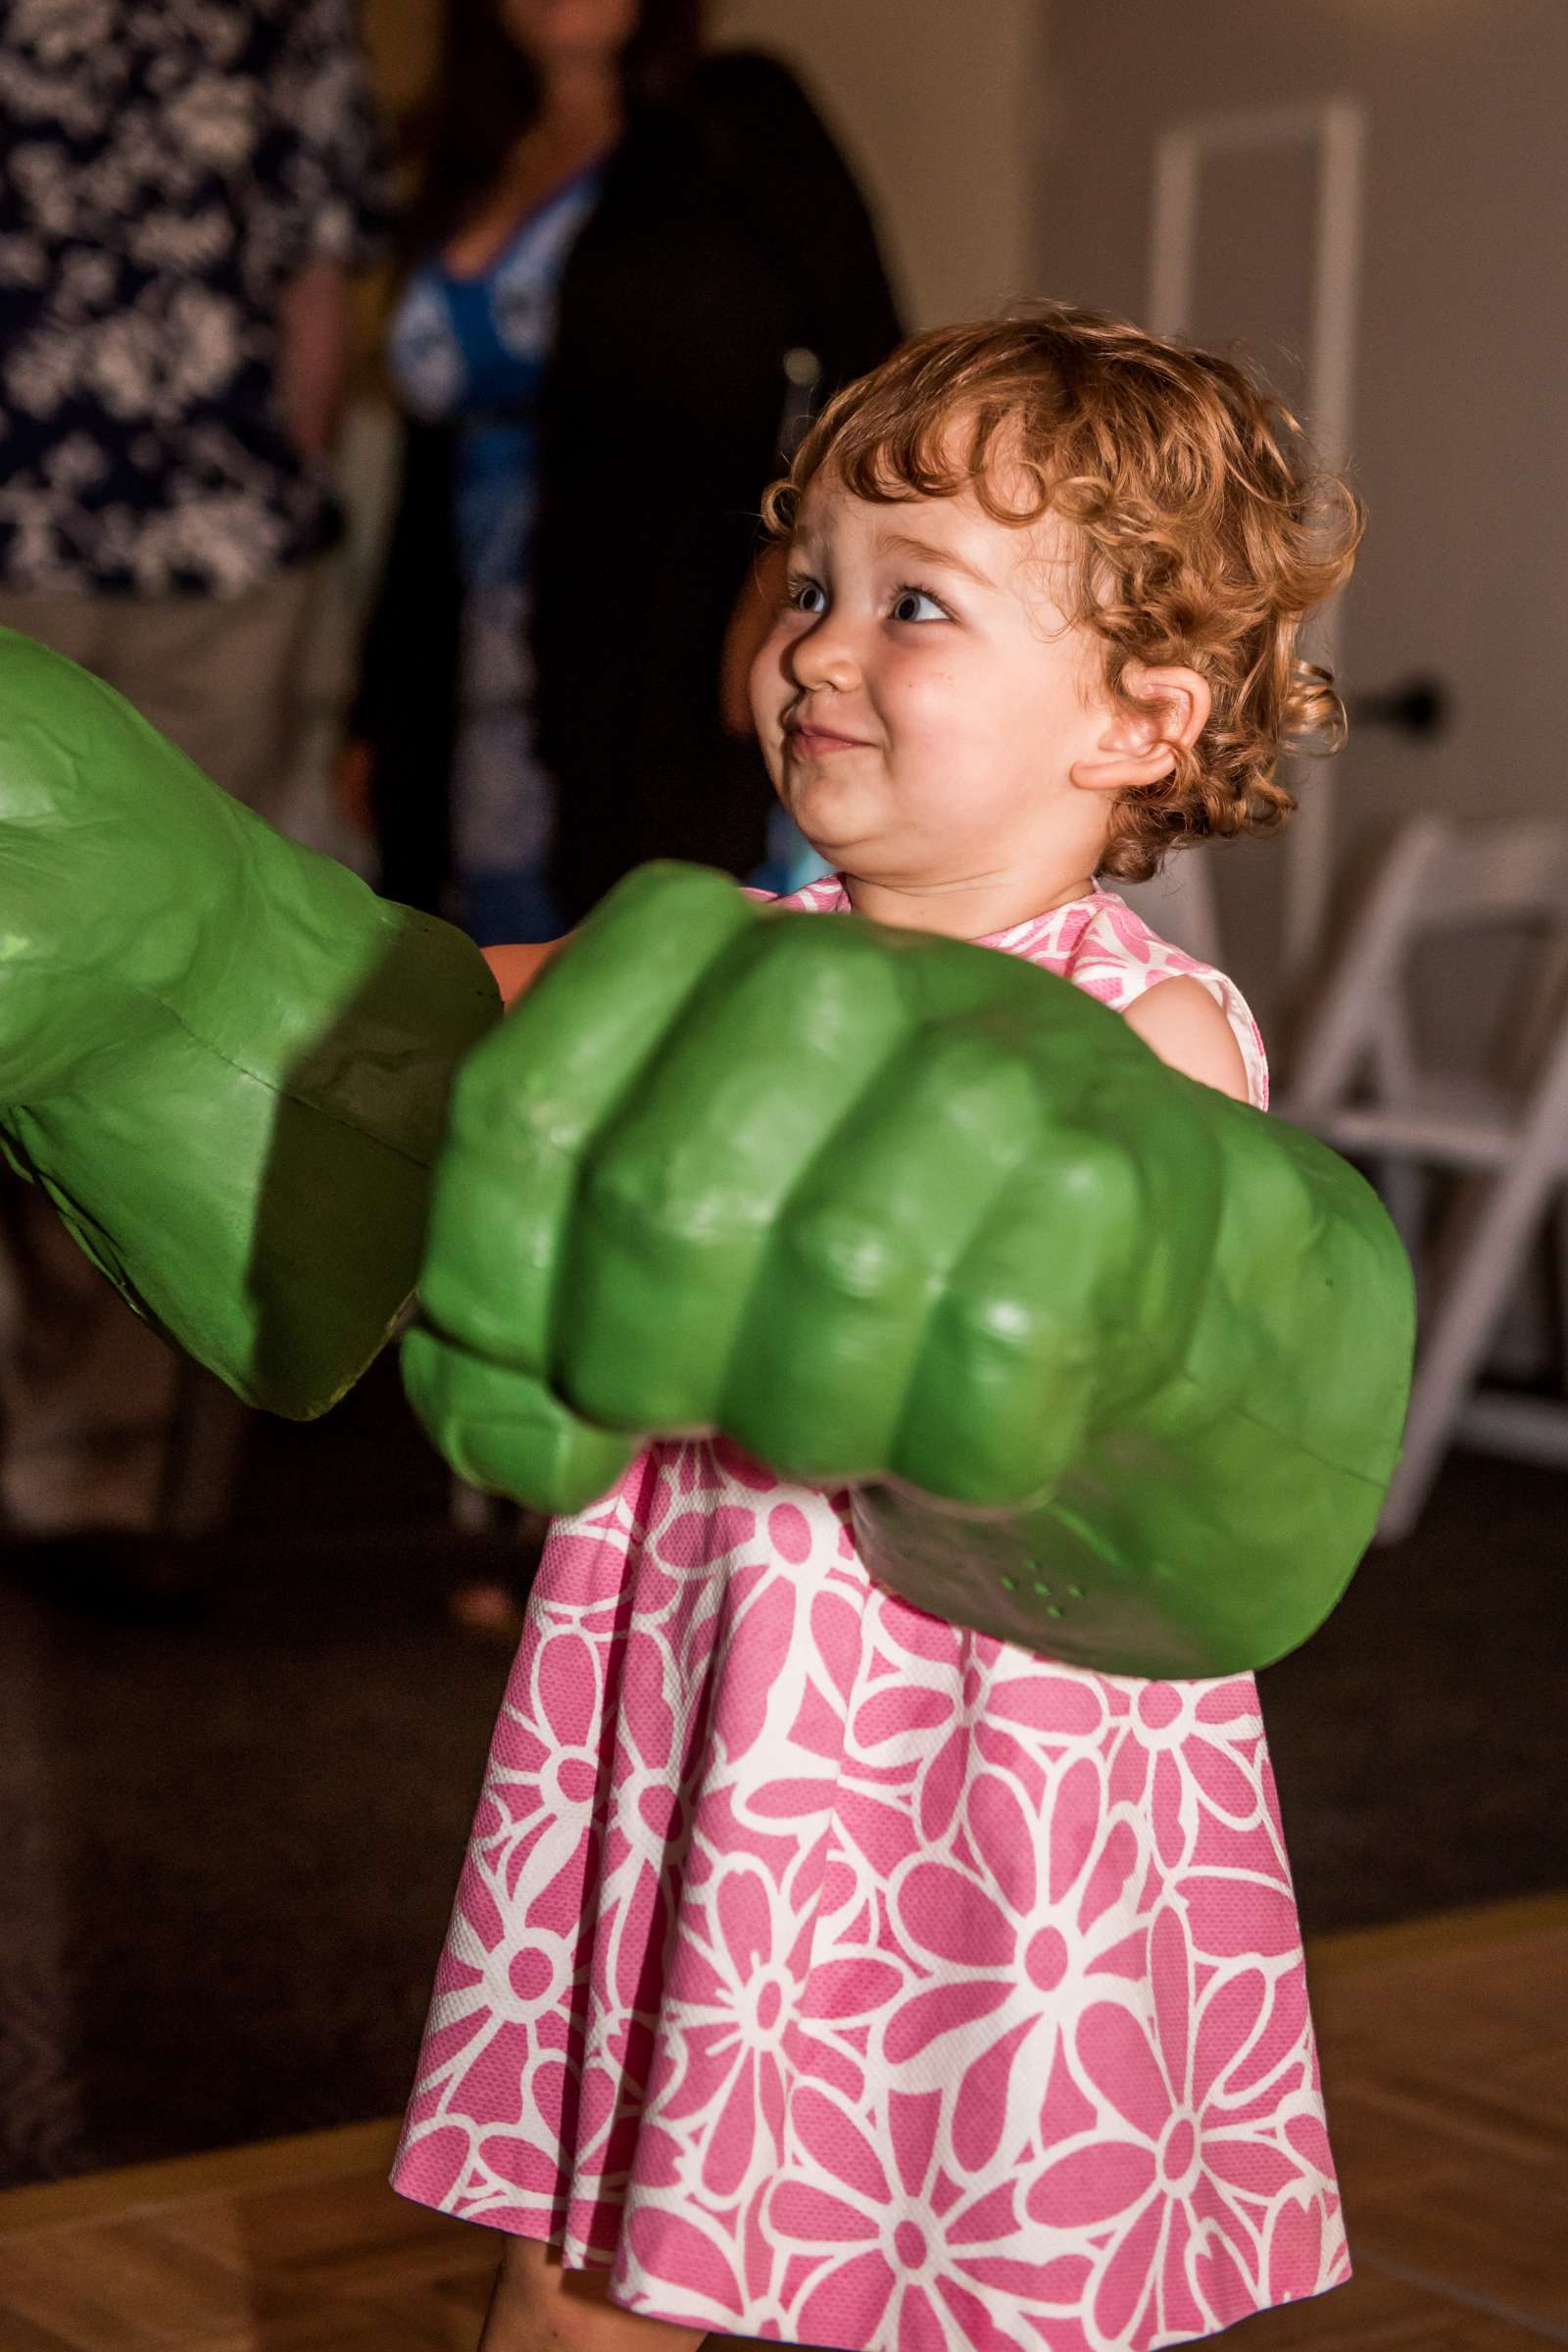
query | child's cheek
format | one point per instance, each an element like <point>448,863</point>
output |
<point>926,703</point>
<point>768,682</point>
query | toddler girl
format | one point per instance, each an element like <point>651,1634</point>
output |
<point>821,1973</point>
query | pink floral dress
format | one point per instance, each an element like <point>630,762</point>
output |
<point>838,1978</point>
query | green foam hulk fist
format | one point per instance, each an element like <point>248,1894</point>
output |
<point>225,1058</point>
<point>1116,1366</point>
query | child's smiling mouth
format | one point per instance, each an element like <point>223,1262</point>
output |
<point>815,743</point>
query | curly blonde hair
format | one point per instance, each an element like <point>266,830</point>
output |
<point>1204,533</point>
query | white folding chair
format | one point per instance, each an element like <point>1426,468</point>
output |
<point>1359,1080</point>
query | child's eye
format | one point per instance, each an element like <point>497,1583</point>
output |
<point>808,595</point>
<point>914,604</point>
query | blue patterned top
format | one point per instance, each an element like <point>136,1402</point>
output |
<point>472,351</point>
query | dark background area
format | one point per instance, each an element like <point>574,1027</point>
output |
<point>229,1842</point>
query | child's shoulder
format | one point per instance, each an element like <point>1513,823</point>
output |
<point>1103,947</point>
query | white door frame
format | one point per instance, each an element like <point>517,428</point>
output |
<point>1336,127</point>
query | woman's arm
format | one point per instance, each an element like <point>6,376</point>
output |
<point>314,358</point>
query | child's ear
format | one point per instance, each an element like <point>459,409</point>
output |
<point>1140,747</point>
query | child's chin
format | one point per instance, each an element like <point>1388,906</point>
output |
<point>828,814</point>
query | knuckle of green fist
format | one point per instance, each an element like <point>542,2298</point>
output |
<point>676,888</point>
<point>1002,1125</point>
<point>638,1197</point>
<point>980,1085</point>
<point>828,978</point>
<point>846,1254</point>
<point>504,1105</point>
<point>990,1328</point>
<point>508,1128</point>
<point>1098,1182</point>
<point>621,1197</point>
<point>667,1210</point>
<point>482,1094</point>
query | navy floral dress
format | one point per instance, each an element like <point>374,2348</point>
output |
<point>169,166</point>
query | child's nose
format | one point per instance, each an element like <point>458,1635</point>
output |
<point>826,655</point>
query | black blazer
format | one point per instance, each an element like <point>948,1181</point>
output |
<point>729,234</point>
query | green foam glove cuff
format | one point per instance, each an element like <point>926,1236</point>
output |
<point>225,1058</point>
<point>1211,1525</point>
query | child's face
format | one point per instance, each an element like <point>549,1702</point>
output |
<point>922,701</point>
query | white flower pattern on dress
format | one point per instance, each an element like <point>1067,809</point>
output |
<point>833,1975</point>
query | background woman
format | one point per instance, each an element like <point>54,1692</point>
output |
<point>632,266</point>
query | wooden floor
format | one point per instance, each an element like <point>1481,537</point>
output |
<point>1445,2052</point>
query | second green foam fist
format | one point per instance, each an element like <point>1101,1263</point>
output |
<point>906,1214</point>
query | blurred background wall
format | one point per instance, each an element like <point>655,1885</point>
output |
<point>1457,364</point>
<point>940,108</point>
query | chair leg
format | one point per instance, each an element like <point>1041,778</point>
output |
<point>202,1448</point>
<point>1479,1260</point>
<point>1404,1186</point>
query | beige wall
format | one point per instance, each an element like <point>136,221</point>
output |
<point>1460,380</point>
<point>934,101</point>
<point>401,36</point>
